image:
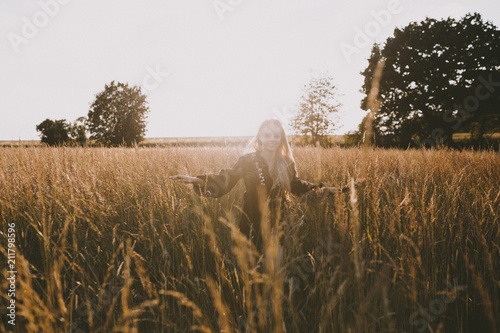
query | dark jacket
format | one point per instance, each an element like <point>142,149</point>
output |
<point>254,170</point>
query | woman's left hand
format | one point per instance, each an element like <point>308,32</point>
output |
<point>337,190</point>
<point>332,190</point>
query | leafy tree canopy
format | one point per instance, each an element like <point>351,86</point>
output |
<point>60,132</point>
<point>313,119</point>
<point>440,77</point>
<point>117,116</point>
<point>54,132</point>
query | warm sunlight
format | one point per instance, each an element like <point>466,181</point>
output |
<point>207,70</point>
<point>280,166</point>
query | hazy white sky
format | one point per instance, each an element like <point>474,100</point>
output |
<point>209,68</point>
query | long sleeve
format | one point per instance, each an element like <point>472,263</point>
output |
<point>298,186</point>
<point>216,185</point>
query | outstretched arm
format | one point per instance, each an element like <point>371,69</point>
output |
<point>338,190</point>
<point>301,186</point>
<point>188,180</point>
<point>215,185</point>
<point>333,190</point>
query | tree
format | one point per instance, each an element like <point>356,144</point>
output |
<point>60,132</point>
<point>78,131</point>
<point>118,115</point>
<point>318,103</point>
<point>439,77</point>
<point>54,132</point>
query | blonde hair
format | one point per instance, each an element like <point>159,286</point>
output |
<point>284,157</point>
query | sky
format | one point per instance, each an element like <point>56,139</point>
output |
<point>208,67</point>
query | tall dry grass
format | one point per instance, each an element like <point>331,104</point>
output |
<point>106,242</point>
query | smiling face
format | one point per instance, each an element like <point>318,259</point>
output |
<point>270,138</point>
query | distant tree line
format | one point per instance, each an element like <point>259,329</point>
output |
<point>438,77</point>
<point>58,132</point>
<point>116,117</point>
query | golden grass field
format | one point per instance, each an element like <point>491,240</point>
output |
<point>225,141</point>
<point>106,242</point>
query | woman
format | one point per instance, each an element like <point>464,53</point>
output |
<point>269,173</point>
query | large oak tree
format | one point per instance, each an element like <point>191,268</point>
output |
<point>440,77</point>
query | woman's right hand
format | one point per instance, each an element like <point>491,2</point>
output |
<point>188,180</point>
